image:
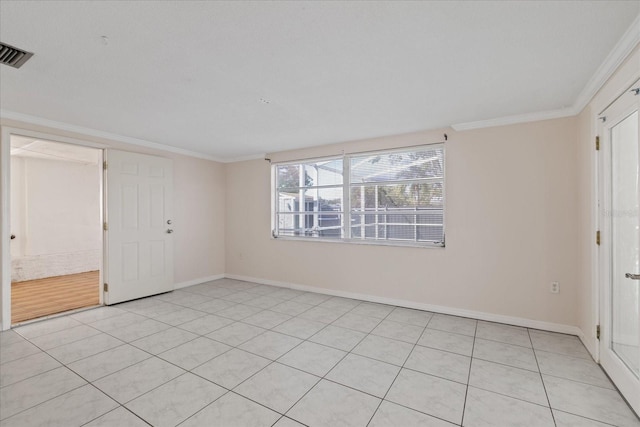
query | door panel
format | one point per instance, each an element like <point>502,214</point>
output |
<point>625,242</point>
<point>620,314</point>
<point>139,195</point>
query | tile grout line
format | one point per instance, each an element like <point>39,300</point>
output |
<point>248,378</point>
<point>124,408</point>
<point>336,364</point>
<point>299,344</point>
<point>544,387</point>
<point>117,407</point>
<point>269,364</point>
<point>261,310</point>
<point>34,375</point>
<point>47,400</point>
<point>399,370</point>
<point>153,355</point>
<point>466,392</point>
<point>182,374</point>
<point>237,347</point>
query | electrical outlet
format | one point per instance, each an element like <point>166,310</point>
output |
<point>555,287</point>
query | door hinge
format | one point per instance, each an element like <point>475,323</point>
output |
<point>105,287</point>
<point>597,332</point>
<point>598,237</point>
<point>597,144</point>
<point>105,227</point>
<point>104,165</point>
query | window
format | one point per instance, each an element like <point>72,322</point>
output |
<point>393,197</point>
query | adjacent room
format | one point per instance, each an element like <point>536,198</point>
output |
<point>56,241</point>
<point>349,213</point>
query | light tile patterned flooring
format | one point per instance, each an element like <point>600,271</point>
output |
<point>230,353</point>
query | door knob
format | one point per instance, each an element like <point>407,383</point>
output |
<point>169,231</point>
<point>632,276</point>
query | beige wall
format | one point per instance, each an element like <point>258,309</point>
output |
<point>511,228</point>
<point>199,195</point>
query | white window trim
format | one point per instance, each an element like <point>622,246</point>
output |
<point>346,209</point>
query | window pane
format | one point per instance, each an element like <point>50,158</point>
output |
<point>321,224</point>
<point>419,227</point>
<point>433,234</point>
<point>411,195</point>
<point>427,163</point>
<point>315,199</point>
<point>287,202</point>
<point>288,176</point>
<point>392,196</point>
<point>325,173</point>
<point>330,199</point>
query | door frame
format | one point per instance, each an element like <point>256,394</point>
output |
<point>608,94</point>
<point>5,209</point>
<point>602,262</point>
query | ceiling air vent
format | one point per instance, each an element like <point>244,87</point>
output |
<point>12,56</point>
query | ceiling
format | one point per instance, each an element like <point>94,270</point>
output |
<point>237,79</point>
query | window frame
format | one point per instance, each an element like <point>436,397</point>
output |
<point>346,198</point>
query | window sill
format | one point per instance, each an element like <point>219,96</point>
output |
<point>406,244</point>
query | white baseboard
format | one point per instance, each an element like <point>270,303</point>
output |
<point>198,281</point>
<point>480,315</point>
<point>589,345</point>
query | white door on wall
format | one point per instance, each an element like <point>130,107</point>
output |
<point>620,312</point>
<point>139,211</point>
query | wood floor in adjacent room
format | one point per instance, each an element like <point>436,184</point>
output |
<point>42,297</point>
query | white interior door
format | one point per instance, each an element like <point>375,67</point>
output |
<point>620,322</point>
<point>139,243</point>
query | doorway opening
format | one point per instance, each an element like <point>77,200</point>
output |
<point>56,230</point>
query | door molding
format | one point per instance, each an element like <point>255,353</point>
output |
<point>615,367</point>
<point>5,209</point>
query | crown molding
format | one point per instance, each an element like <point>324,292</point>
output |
<point>26,118</point>
<point>520,118</point>
<point>245,158</point>
<point>616,57</point>
<point>629,40</point>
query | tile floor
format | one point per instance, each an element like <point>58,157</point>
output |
<point>230,353</point>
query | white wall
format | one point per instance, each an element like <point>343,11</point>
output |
<point>55,215</point>
<point>17,207</point>
<point>511,228</point>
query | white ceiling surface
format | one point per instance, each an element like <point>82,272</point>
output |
<point>22,146</point>
<point>237,79</point>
